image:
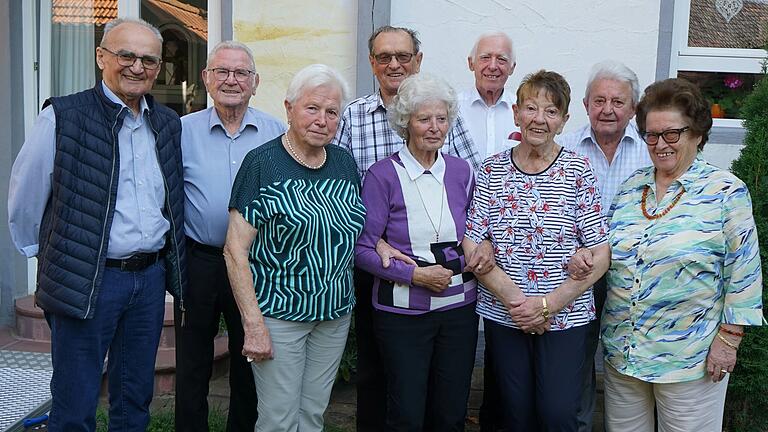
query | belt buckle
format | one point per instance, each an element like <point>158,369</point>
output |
<point>127,264</point>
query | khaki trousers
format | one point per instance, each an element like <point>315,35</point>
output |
<point>295,386</point>
<point>682,407</point>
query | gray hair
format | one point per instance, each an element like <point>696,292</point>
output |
<point>316,75</point>
<point>116,22</point>
<point>390,29</point>
<point>233,45</point>
<point>613,70</point>
<point>501,34</point>
<point>416,90</point>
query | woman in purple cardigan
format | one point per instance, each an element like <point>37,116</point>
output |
<point>425,321</point>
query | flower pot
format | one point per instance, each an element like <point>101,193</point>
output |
<point>717,111</point>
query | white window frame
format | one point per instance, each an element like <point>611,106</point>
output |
<point>688,58</point>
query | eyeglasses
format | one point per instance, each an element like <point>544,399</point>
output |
<point>671,136</point>
<point>127,59</point>
<point>386,58</point>
<point>221,74</point>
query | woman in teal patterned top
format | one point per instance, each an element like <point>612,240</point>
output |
<point>685,277</point>
<point>295,214</point>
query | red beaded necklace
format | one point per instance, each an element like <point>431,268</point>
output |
<point>663,212</point>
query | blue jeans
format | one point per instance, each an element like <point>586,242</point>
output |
<point>127,322</point>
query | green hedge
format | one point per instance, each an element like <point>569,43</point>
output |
<point>747,401</point>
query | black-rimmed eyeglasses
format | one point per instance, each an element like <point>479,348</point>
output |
<point>671,136</point>
<point>221,74</point>
<point>386,58</point>
<point>127,59</point>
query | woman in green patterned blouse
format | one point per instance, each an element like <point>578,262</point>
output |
<point>685,274</point>
<point>294,217</point>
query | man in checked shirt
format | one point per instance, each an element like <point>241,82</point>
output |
<point>364,130</point>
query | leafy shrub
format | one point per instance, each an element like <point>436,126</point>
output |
<point>747,402</point>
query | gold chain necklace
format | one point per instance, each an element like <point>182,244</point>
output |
<point>663,212</point>
<point>438,227</point>
<point>299,159</point>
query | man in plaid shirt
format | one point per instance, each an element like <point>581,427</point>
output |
<point>364,131</point>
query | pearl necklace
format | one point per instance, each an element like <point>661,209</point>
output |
<point>299,159</point>
<point>663,212</point>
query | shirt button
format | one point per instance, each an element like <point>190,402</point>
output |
<point>234,162</point>
<point>632,323</point>
<point>645,235</point>
<point>640,261</point>
<point>637,280</point>
<point>634,303</point>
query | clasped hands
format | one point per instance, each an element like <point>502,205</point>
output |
<point>526,312</point>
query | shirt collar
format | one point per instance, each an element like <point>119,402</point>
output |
<point>503,99</point>
<point>686,179</point>
<point>113,97</point>
<point>414,168</point>
<point>374,102</point>
<point>631,135</point>
<point>249,119</point>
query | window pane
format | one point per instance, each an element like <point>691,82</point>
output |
<point>184,26</point>
<point>725,91</point>
<point>711,27</point>
<point>76,30</point>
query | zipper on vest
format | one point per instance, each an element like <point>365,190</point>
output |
<point>173,224</point>
<point>104,233</point>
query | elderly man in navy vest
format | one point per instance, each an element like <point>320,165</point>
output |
<point>214,143</point>
<point>97,195</point>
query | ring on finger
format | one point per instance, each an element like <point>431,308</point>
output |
<point>723,371</point>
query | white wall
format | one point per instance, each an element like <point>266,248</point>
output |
<point>567,37</point>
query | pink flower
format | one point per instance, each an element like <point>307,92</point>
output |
<point>733,82</point>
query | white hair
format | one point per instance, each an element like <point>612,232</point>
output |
<point>613,70</point>
<point>116,22</point>
<point>501,34</point>
<point>233,45</point>
<point>414,91</point>
<point>313,76</point>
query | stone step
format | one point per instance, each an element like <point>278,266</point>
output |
<point>33,334</point>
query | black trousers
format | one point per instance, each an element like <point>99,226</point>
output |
<point>371,383</point>
<point>208,297</point>
<point>429,360</point>
<point>490,409</point>
<point>539,377</point>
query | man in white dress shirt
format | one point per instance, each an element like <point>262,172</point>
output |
<point>616,150</point>
<point>487,108</point>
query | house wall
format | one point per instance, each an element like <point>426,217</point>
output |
<point>13,268</point>
<point>567,37</point>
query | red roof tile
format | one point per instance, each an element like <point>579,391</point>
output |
<point>99,12</point>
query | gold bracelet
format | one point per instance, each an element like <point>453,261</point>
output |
<point>544,308</point>
<point>727,342</point>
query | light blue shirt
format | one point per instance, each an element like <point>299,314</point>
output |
<point>631,155</point>
<point>212,158</point>
<point>138,224</point>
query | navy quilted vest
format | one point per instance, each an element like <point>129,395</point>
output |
<point>74,233</point>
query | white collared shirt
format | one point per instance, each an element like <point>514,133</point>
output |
<point>489,126</point>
